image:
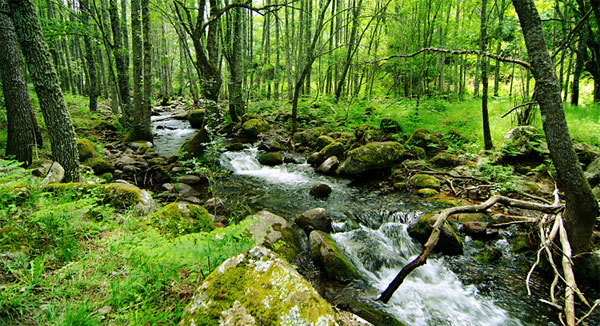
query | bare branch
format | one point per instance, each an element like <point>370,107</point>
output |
<point>518,106</point>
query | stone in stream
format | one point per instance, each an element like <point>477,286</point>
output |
<point>315,219</point>
<point>449,242</point>
<point>325,252</point>
<point>195,147</point>
<point>372,156</point>
<point>320,191</point>
<point>253,127</point>
<point>421,181</point>
<point>196,118</point>
<point>270,158</point>
<point>276,233</point>
<point>333,149</point>
<point>329,166</point>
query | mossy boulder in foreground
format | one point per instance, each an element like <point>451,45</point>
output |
<point>86,149</point>
<point>270,158</point>
<point>257,288</point>
<point>253,127</point>
<point>421,181</point>
<point>181,218</point>
<point>276,233</point>
<point>372,156</point>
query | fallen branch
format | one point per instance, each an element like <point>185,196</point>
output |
<point>518,106</point>
<point>437,226</point>
<point>457,52</point>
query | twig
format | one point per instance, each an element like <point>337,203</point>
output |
<point>502,225</point>
<point>551,304</point>
<point>534,197</point>
<point>566,263</point>
<point>589,312</point>
<point>518,106</point>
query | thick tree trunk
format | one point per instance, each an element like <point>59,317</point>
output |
<point>499,47</point>
<point>23,132</point>
<point>146,122</point>
<point>137,132</point>
<point>120,57</point>
<point>581,205</point>
<point>45,80</point>
<point>236,67</point>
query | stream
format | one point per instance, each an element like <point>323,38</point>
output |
<point>370,227</point>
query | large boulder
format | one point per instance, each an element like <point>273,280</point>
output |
<point>50,171</point>
<point>181,218</point>
<point>325,252</point>
<point>586,153</point>
<point>524,143</point>
<point>449,242</point>
<point>195,147</point>
<point>276,233</point>
<point>257,288</point>
<point>426,140</point>
<point>446,160</point>
<point>323,141</point>
<point>372,156</point>
<point>329,165</point>
<point>421,181</point>
<point>253,127</point>
<point>196,118</point>
<point>86,149</point>
<point>100,165</point>
<point>315,219</point>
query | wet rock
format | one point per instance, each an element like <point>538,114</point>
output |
<point>100,165</point>
<point>276,233</point>
<point>136,145</point>
<point>195,147</point>
<point>270,159</point>
<point>125,160</point>
<point>270,146</point>
<point>185,190</point>
<point>427,192</point>
<point>420,181</point>
<point>50,171</point>
<point>475,229</point>
<point>253,127</point>
<point>86,149</point>
<point>181,218</point>
<point>260,286</point>
<point>426,140</point>
<point>325,252</point>
<point>449,242</point>
<point>315,219</point>
<point>373,156</point>
<point>234,147</point>
<point>333,149</point>
<point>320,191</point>
<point>323,141</point>
<point>329,166</point>
<point>388,125</point>
<point>196,118</point>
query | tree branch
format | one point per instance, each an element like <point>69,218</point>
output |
<point>523,63</point>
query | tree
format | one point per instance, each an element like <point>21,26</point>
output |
<point>233,52</point>
<point>147,44</point>
<point>581,205</point>
<point>140,128</point>
<point>45,80</point>
<point>23,131</point>
<point>93,91</point>
<point>487,136</point>
<point>120,54</point>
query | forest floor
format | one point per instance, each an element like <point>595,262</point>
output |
<point>69,258</point>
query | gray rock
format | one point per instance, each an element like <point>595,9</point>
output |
<point>185,190</point>
<point>329,166</point>
<point>372,156</point>
<point>189,179</point>
<point>276,233</point>
<point>320,191</point>
<point>51,171</point>
<point>315,219</point>
<point>325,252</point>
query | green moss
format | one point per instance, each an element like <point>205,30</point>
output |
<point>427,192</point>
<point>522,244</point>
<point>372,156</point>
<point>114,194</point>
<point>425,181</point>
<point>324,251</point>
<point>271,158</point>
<point>196,118</point>
<point>195,147</point>
<point>288,245</point>
<point>86,149</point>
<point>449,242</point>
<point>488,256</point>
<point>181,218</point>
<point>253,127</point>
<point>426,140</point>
<point>100,165</point>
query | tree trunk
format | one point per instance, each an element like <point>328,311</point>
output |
<point>23,132</point>
<point>92,88</point>
<point>146,123</point>
<point>581,205</point>
<point>487,136</point>
<point>137,128</point>
<point>351,49</point>
<point>498,47</point>
<point>120,57</point>
<point>581,53</point>
<point>45,80</point>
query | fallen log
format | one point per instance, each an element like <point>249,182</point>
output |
<point>443,216</point>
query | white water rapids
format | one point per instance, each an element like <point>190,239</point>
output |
<point>431,295</point>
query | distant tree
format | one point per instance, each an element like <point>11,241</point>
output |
<point>581,205</point>
<point>42,72</point>
<point>146,122</point>
<point>23,132</point>
<point>120,53</point>
<point>487,136</point>
<point>233,52</point>
<point>93,90</point>
<point>139,129</point>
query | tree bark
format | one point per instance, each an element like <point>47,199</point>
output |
<point>120,56</point>
<point>487,136</point>
<point>137,130</point>
<point>581,205</point>
<point>23,131</point>
<point>45,80</point>
<point>90,60</point>
<point>146,123</point>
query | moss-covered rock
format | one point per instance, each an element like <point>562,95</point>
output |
<point>51,171</point>
<point>420,181</point>
<point>196,118</point>
<point>427,192</point>
<point>276,233</point>
<point>445,160</point>
<point>265,286</point>
<point>369,311</point>
<point>372,156</point>
<point>301,138</point>
<point>388,125</point>
<point>181,218</point>
<point>315,219</point>
<point>118,195</point>
<point>333,149</point>
<point>104,125</point>
<point>488,256</point>
<point>449,241</point>
<point>586,153</point>
<point>325,252</point>
<point>270,158</point>
<point>426,140</point>
<point>524,142</point>
<point>329,165</point>
<point>86,149</point>
<point>320,190</point>
<point>195,147</point>
<point>401,186</point>
<point>323,141</point>
<point>270,146</point>
<point>100,165</point>
<point>253,127</point>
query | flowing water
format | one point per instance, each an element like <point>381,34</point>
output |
<point>169,134</point>
<point>370,226</point>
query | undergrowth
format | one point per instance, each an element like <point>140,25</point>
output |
<point>67,259</point>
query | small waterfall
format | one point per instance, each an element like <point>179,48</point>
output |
<point>169,134</point>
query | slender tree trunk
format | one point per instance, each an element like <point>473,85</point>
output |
<point>23,131</point>
<point>499,47</point>
<point>146,124</point>
<point>487,137</point>
<point>45,79</point>
<point>138,67</point>
<point>93,91</point>
<point>581,54</point>
<point>120,58</point>
<point>351,49</point>
<point>581,205</point>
